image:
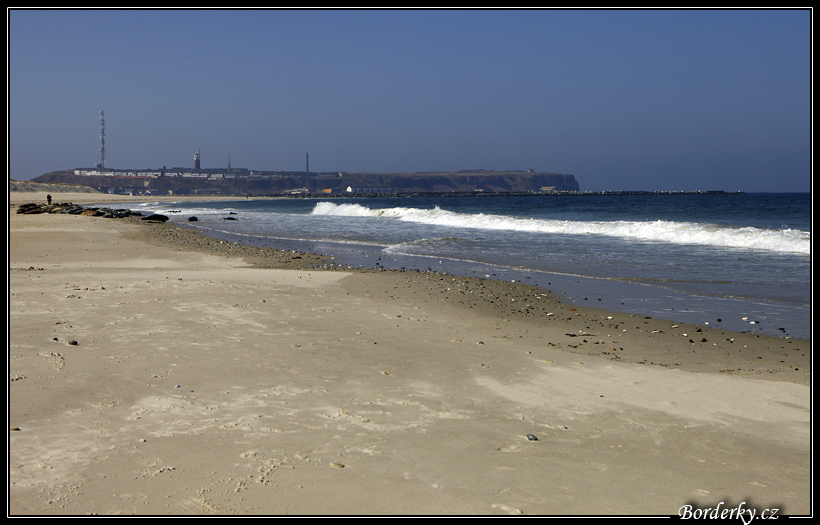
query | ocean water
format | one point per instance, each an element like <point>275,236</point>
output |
<point>739,261</point>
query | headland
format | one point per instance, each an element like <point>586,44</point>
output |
<point>186,181</point>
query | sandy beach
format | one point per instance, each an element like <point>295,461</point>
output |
<point>154,371</point>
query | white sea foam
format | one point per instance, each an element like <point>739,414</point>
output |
<point>703,234</point>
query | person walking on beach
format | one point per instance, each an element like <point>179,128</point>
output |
<point>48,198</point>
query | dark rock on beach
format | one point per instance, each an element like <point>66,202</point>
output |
<point>155,217</point>
<point>75,209</point>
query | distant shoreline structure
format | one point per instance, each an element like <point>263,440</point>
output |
<point>243,181</point>
<point>31,186</point>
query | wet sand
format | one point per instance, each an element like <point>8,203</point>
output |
<point>155,371</point>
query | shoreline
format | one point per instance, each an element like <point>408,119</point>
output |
<point>631,296</point>
<point>730,314</point>
<point>691,347</point>
<point>781,358</point>
<point>215,378</point>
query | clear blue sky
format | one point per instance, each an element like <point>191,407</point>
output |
<point>622,99</point>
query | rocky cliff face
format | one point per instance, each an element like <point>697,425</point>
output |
<point>22,185</point>
<point>469,181</point>
<point>488,181</point>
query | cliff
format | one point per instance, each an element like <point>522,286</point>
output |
<point>29,186</point>
<point>463,181</point>
<point>493,181</point>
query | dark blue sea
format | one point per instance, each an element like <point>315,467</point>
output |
<point>738,261</point>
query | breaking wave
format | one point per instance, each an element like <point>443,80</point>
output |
<point>692,233</point>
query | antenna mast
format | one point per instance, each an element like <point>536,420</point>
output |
<point>102,139</point>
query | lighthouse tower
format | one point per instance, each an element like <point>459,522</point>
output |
<point>196,160</point>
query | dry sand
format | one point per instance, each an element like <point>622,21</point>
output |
<point>155,372</point>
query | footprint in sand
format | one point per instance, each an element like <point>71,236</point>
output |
<point>509,509</point>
